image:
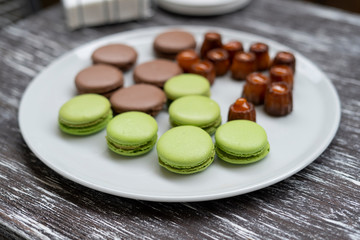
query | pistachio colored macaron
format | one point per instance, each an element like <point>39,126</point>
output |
<point>186,84</point>
<point>131,133</point>
<point>84,114</point>
<point>185,150</point>
<point>195,110</point>
<point>241,142</point>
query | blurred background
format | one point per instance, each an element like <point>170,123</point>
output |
<point>14,10</point>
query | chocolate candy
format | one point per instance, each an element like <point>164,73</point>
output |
<point>278,99</point>
<point>261,51</point>
<point>285,58</point>
<point>187,58</point>
<point>204,68</point>
<point>242,109</point>
<point>255,88</point>
<point>233,47</point>
<point>243,64</point>
<point>220,58</point>
<point>282,73</point>
<point>211,40</point>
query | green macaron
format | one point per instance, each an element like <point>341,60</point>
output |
<point>84,114</point>
<point>195,110</point>
<point>131,133</point>
<point>241,142</point>
<point>186,84</point>
<point>185,150</point>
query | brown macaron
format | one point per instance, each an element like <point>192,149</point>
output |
<point>156,72</point>
<point>118,55</point>
<point>139,97</point>
<point>169,44</point>
<point>101,79</point>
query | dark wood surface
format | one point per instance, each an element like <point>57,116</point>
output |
<point>320,202</point>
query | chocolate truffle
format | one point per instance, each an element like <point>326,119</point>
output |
<point>156,72</point>
<point>100,79</point>
<point>139,97</point>
<point>242,109</point>
<point>169,44</point>
<point>118,55</point>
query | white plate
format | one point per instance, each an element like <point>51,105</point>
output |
<point>296,140</point>
<point>202,7</point>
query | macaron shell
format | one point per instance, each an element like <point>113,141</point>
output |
<point>186,84</point>
<point>241,138</point>
<point>185,147</point>
<point>99,78</point>
<point>83,109</point>
<point>194,110</point>
<point>172,42</point>
<point>139,97</point>
<point>118,55</point>
<point>131,128</point>
<point>156,72</point>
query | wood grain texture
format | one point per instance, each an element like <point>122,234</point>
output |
<point>320,202</point>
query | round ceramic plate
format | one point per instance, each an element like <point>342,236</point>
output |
<point>202,7</point>
<point>296,140</point>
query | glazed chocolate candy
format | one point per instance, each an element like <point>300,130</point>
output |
<point>255,88</point>
<point>220,58</point>
<point>243,64</point>
<point>261,51</point>
<point>278,99</point>
<point>242,109</point>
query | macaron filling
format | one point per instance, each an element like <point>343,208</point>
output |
<point>86,127</point>
<point>189,169</point>
<point>130,150</point>
<point>242,158</point>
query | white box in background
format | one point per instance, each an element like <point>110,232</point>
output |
<point>81,13</point>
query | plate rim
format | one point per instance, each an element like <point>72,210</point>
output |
<point>201,9</point>
<point>185,198</point>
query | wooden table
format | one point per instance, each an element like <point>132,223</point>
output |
<point>320,202</point>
